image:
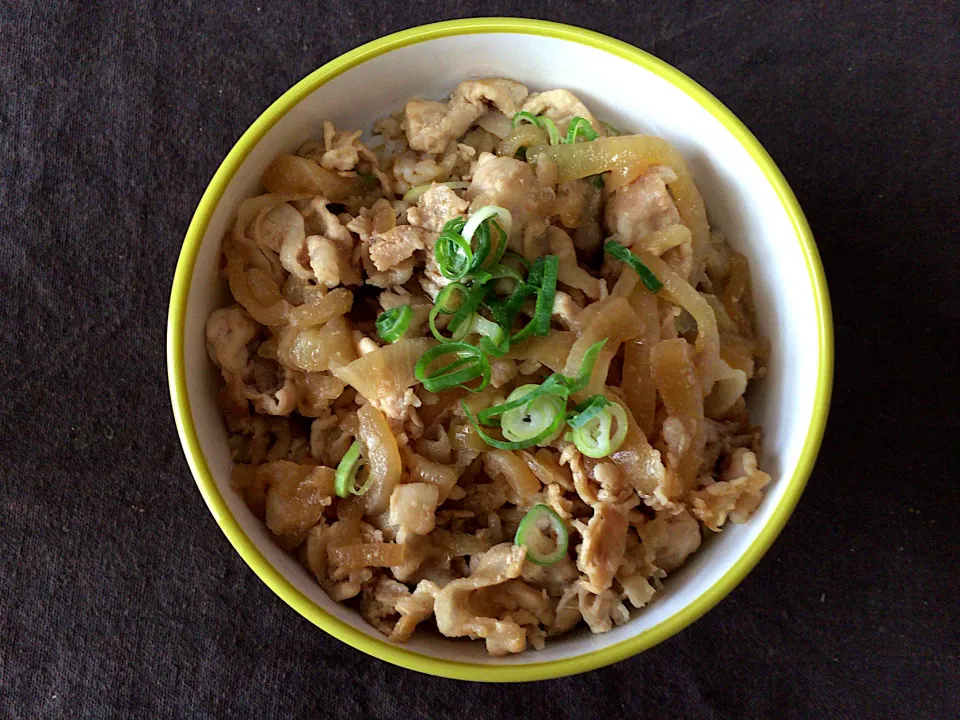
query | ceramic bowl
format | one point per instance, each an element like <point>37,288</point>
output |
<point>746,197</point>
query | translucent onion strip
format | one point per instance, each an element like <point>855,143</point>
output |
<point>380,450</point>
<point>414,193</point>
<point>681,293</point>
<point>626,158</point>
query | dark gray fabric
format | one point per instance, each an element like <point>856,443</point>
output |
<point>119,595</point>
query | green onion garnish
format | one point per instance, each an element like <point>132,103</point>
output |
<point>344,481</point>
<point>545,295</point>
<point>462,321</point>
<point>551,128</point>
<point>580,126</point>
<point>452,251</point>
<point>495,340</point>
<point>543,281</point>
<point>530,534</point>
<point>547,433</point>
<point>447,305</point>
<point>593,438</point>
<point>556,384</point>
<point>534,417</point>
<point>618,251</point>
<point>483,214</point>
<point>393,323</point>
<point>524,116</point>
<point>533,414</point>
<point>597,181</point>
<point>469,364</point>
<point>587,410</point>
<point>586,367</point>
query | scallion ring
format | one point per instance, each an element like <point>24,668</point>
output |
<point>594,439</point>
<point>530,420</point>
<point>551,127</point>
<point>505,311</point>
<point>446,304</point>
<point>555,384</point>
<point>469,364</point>
<point>454,255</point>
<point>586,367</point>
<point>531,534</point>
<point>524,116</point>
<point>461,323</point>
<point>587,410</point>
<point>497,340</point>
<point>580,126</point>
<point>393,323</point>
<point>548,432</point>
<point>344,482</point>
<point>504,219</point>
<point>612,247</point>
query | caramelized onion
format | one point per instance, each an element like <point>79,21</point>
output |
<point>292,175</point>
<point>626,158</point>
<point>386,372</point>
<point>379,449</point>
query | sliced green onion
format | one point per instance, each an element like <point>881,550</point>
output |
<point>464,316</point>
<point>524,116</point>
<point>530,420</point>
<point>497,340</point>
<point>593,437</point>
<point>587,410</point>
<point>453,253</point>
<point>597,181</point>
<point>505,311</point>
<point>551,128</point>
<point>501,245</point>
<point>547,433</point>
<point>344,482</point>
<point>580,126</point>
<point>612,247</point>
<point>469,364</point>
<point>556,384</point>
<point>586,366</point>
<point>530,534</point>
<point>545,296</point>
<point>482,215</point>
<point>393,323</point>
<point>542,122</point>
<point>480,255</point>
<point>535,283</point>
<point>414,193</point>
<point>446,305</point>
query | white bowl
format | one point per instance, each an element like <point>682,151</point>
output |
<point>745,195</point>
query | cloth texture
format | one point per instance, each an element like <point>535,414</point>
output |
<point>119,594</point>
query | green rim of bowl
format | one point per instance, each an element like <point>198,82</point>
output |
<point>381,648</point>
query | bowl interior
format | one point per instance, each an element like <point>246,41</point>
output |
<point>739,199</point>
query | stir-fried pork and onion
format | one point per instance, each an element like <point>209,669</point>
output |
<point>488,371</point>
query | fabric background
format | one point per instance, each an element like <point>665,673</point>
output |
<point>119,595</point>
